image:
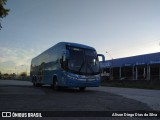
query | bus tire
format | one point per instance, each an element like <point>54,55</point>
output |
<point>82,88</point>
<point>34,81</point>
<point>38,85</point>
<point>55,83</point>
<point>35,84</point>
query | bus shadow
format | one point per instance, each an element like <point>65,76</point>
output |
<point>49,89</point>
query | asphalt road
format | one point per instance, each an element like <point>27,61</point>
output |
<point>150,97</point>
<point>22,96</point>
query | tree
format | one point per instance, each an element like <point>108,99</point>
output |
<point>3,11</point>
<point>23,74</point>
<point>0,75</point>
<point>5,76</point>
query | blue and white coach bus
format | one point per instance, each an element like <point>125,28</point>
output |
<point>67,65</point>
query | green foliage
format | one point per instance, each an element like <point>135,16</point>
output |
<point>3,11</point>
<point>24,74</point>
<point>0,75</point>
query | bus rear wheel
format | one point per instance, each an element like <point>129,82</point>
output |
<point>35,84</point>
<point>34,81</point>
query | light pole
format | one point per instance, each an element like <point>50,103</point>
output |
<point>111,67</point>
<point>22,68</point>
<point>15,73</point>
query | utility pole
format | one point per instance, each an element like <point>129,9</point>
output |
<point>111,67</point>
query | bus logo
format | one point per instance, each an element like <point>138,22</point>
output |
<point>6,114</point>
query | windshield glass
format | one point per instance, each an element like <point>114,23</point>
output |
<point>83,61</point>
<point>92,61</point>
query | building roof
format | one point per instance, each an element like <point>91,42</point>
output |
<point>153,58</point>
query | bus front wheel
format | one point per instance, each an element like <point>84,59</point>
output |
<point>55,84</point>
<point>82,88</point>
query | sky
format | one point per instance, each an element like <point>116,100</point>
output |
<point>115,28</point>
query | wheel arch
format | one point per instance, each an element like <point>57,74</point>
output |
<point>54,78</point>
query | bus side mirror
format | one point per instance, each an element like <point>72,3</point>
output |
<point>101,55</point>
<point>61,62</point>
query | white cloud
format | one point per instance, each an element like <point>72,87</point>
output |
<point>12,59</point>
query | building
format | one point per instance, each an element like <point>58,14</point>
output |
<point>141,67</point>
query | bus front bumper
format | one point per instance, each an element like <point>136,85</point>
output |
<point>85,83</point>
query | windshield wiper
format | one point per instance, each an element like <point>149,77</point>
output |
<point>81,67</point>
<point>89,66</point>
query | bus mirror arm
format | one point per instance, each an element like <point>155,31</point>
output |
<point>61,62</point>
<point>101,55</point>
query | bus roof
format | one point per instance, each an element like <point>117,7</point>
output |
<point>78,45</point>
<point>69,44</point>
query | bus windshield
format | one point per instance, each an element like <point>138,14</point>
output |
<point>83,61</point>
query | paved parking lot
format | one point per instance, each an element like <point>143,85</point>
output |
<point>150,97</point>
<point>22,96</point>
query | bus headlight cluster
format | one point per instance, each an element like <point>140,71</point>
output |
<point>75,77</point>
<point>81,78</point>
<point>72,77</point>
